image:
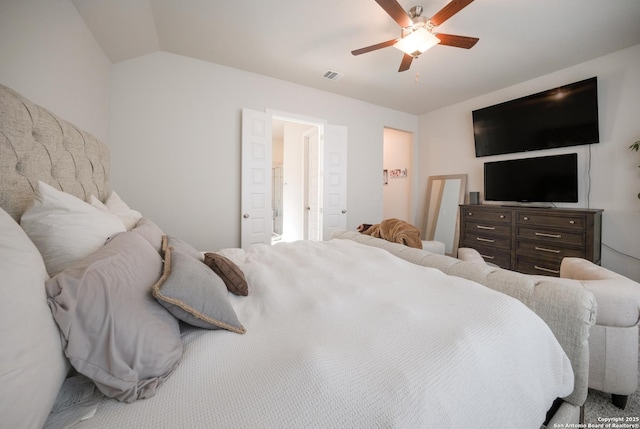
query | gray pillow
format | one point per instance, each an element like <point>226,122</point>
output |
<point>183,247</point>
<point>113,331</point>
<point>195,294</point>
<point>150,231</point>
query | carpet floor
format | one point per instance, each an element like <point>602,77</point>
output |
<point>598,407</point>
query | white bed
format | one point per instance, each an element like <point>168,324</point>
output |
<point>330,334</point>
<point>373,342</point>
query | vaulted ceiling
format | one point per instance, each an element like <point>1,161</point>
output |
<point>299,40</point>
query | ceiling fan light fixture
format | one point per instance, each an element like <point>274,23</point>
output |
<point>417,42</point>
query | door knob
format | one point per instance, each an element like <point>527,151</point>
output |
<point>344,211</point>
<point>246,215</point>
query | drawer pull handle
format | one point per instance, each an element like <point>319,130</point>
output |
<point>470,214</point>
<point>543,234</point>
<point>487,240</point>
<point>544,249</point>
<point>501,216</point>
<point>525,218</point>
<point>572,222</point>
<point>487,256</point>
<point>491,228</point>
<point>548,270</point>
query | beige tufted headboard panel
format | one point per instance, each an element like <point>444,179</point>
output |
<point>37,145</point>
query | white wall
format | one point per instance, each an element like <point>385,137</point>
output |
<point>48,55</point>
<point>175,139</point>
<point>446,147</point>
<point>398,148</point>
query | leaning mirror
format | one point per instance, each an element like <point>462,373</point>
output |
<point>442,223</point>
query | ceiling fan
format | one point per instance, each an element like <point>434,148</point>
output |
<point>418,32</point>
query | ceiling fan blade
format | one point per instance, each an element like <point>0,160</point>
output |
<point>448,11</point>
<point>457,41</point>
<point>374,47</point>
<point>395,11</point>
<point>406,63</point>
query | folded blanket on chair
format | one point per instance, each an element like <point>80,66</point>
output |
<point>396,231</point>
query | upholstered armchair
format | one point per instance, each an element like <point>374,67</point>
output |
<point>613,340</point>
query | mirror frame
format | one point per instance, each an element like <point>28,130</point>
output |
<point>435,201</point>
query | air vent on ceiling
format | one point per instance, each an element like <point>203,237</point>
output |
<point>332,75</point>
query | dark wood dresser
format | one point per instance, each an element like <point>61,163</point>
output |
<point>531,240</point>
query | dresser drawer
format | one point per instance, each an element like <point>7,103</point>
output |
<point>539,267</point>
<point>486,240</point>
<point>501,258</point>
<point>539,234</point>
<point>575,222</point>
<point>549,251</point>
<point>473,227</point>
<point>480,214</point>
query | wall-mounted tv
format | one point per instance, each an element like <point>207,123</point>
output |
<point>545,179</point>
<point>563,116</point>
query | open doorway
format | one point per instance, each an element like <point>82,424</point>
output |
<point>397,160</point>
<point>296,180</point>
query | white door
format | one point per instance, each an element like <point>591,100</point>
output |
<point>314,227</point>
<point>334,183</point>
<point>257,216</point>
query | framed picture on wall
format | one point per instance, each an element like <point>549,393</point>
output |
<point>398,173</point>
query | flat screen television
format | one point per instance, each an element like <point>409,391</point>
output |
<point>545,179</point>
<point>559,117</point>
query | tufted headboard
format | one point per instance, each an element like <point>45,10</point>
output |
<point>37,145</point>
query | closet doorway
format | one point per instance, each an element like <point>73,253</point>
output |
<point>397,161</point>
<point>295,181</point>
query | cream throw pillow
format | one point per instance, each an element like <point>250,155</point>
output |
<point>116,206</point>
<point>64,228</point>
<point>32,364</point>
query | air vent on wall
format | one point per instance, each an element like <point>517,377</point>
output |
<point>332,75</point>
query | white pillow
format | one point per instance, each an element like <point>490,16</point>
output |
<point>116,206</point>
<point>64,228</point>
<point>32,364</point>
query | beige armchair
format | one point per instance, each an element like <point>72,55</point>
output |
<point>613,340</point>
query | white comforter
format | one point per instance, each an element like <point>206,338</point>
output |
<point>342,335</point>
